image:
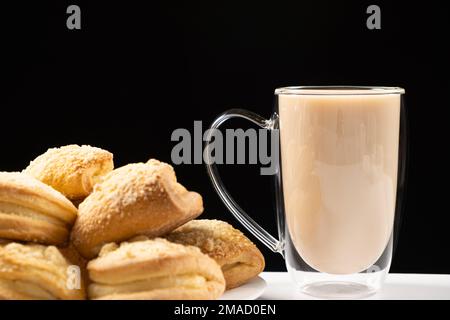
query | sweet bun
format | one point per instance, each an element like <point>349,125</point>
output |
<point>154,270</point>
<point>238,257</point>
<point>137,199</point>
<point>35,272</point>
<point>32,211</point>
<point>72,170</point>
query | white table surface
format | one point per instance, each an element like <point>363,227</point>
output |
<point>397,286</point>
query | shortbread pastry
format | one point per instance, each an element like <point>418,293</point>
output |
<point>35,272</point>
<point>154,270</point>
<point>239,258</point>
<point>72,170</point>
<point>32,211</point>
<point>137,199</point>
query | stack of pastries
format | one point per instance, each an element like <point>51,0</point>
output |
<point>130,232</point>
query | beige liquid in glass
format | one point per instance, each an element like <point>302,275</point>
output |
<point>339,158</point>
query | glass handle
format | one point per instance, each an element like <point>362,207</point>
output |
<point>251,225</point>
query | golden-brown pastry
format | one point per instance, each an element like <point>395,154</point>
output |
<point>36,272</point>
<point>154,270</point>
<point>32,211</point>
<point>137,199</point>
<point>239,258</point>
<point>72,170</point>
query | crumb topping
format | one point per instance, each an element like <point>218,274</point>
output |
<point>152,249</point>
<point>216,238</point>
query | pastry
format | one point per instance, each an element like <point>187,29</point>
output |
<point>239,258</point>
<point>154,270</point>
<point>35,272</point>
<point>72,170</point>
<point>32,211</point>
<point>137,199</point>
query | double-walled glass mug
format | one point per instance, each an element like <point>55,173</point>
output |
<point>339,185</point>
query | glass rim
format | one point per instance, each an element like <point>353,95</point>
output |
<point>338,90</point>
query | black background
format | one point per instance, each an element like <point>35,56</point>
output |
<point>136,72</point>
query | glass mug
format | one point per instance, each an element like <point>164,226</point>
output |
<point>339,185</point>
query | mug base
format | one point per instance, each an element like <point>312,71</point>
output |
<point>338,290</point>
